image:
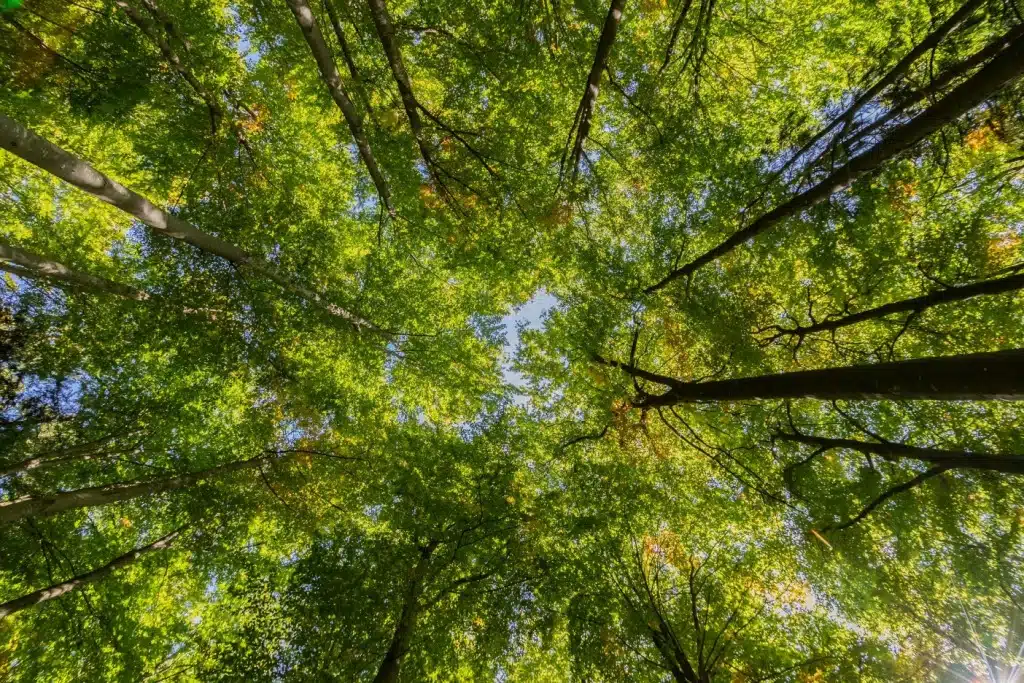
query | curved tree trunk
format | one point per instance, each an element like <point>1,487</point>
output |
<point>59,589</point>
<point>23,143</point>
<point>45,505</point>
<point>993,77</point>
<point>329,72</point>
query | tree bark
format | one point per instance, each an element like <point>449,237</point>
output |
<point>994,76</point>
<point>930,42</point>
<point>46,505</point>
<point>213,103</point>
<point>83,452</point>
<point>970,377</point>
<point>37,266</point>
<point>948,459</point>
<point>23,143</point>
<point>589,101</point>
<point>386,33</point>
<point>346,54</point>
<point>59,589</point>
<point>390,666</point>
<point>913,305</point>
<point>329,73</point>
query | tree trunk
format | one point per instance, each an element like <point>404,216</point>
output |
<point>675,660</point>
<point>1007,464</point>
<point>915,304</point>
<point>390,666</point>
<point>23,143</point>
<point>994,76</point>
<point>930,42</point>
<point>59,589</point>
<point>386,33</point>
<point>45,505</point>
<point>36,266</point>
<point>82,453</point>
<point>346,54</point>
<point>213,103</point>
<point>970,377</point>
<point>329,72</point>
<point>589,102</point>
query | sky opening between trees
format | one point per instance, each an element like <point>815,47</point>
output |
<point>520,340</point>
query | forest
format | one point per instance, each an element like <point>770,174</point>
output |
<point>512,340</point>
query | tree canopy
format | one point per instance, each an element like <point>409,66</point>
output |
<point>646,340</point>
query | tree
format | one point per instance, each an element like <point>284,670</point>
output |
<point>511,341</point>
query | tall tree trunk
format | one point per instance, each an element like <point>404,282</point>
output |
<point>390,666</point>
<point>94,450</point>
<point>329,73</point>
<point>213,102</point>
<point>994,76</point>
<point>34,265</point>
<point>585,112</point>
<point>969,377</point>
<point>675,659</point>
<point>23,143</point>
<point>1007,464</point>
<point>346,54</point>
<point>929,43</point>
<point>45,505</point>
<point>386,33</point>
<point>59,589</point>
<point>916,304</point>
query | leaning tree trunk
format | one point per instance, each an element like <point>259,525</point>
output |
<point>23,143</point>
<point>585,112</point>
<point>59,589</point>
<point>386,34</point>
<point>947,459</point>
<point>329,73</point>
<point>993,77</point>
<point>916,304</point>
<point>32,265</point>
<point>45,505</point>
<point>390,666</point>
<point>970,377</point>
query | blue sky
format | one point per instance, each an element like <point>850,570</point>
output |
<point>531,316</point>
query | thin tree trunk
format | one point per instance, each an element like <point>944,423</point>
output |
<point>346,54</point>
<point>329,73</point>
<point>588,103</point>
<point>938,83</point>
<point>213,103</point>
<point>59,589</point>
<point>45,505</point>
<point>23,143</point>
<point>930,42</point>
<point>1007,464</point>
<point>37,266</point>
<point>913,305</point>
<point>994,76</point>
<point>390,666</point>
<point>970,377</point>
<point>386,33</point>
<point>81,453</point>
